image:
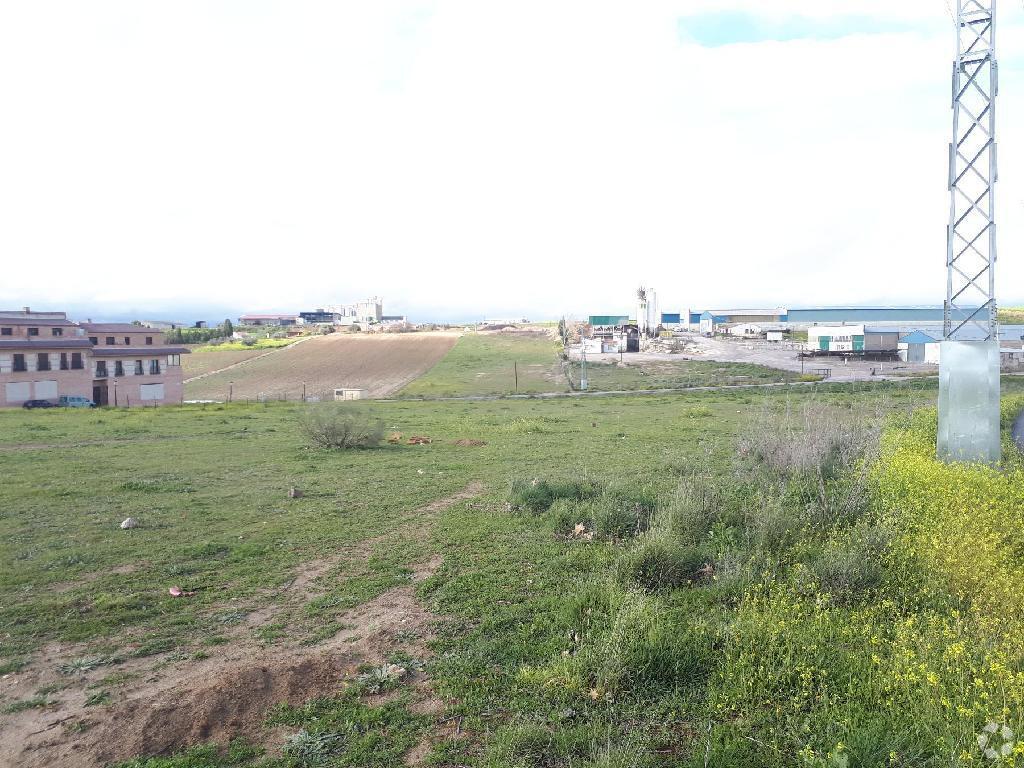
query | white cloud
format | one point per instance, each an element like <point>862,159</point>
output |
<point>476,157</point>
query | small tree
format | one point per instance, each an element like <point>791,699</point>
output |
<point>227,328</point>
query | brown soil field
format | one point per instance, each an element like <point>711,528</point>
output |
<point>198,363</point>
<point>379,363</point>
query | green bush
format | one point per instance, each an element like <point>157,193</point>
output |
<point>659,562</point>
<point>853,566</point>
<point>644,648</point>
<point>537,495</point>
<point>624,512</point>
<point>613,515</point>
<point>337,426</point>
<point>699,504</point>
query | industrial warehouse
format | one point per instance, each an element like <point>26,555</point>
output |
<point>908,338</point>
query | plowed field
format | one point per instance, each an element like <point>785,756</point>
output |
<point>381,364</point>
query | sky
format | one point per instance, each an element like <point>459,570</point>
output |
<point>195,160</point>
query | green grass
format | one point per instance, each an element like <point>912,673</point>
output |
<point>1011,315</point>
<point>487,364</point>
<point>238,346</point>
<point>671,374</point>
<point>554,650</point>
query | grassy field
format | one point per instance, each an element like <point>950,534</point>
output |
<point>1011,315</point>
<point>482,364</point>
<point>488,364</point>
<point>701,579</point>
<point>609,377</point>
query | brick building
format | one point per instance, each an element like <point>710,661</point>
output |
<point>43,356</point>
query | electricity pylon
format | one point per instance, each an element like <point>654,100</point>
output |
<point>969,366</point>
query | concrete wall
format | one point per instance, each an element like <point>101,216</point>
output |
<point>78,383</point>
<point>131,389</point>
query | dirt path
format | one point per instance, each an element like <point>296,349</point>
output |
<point>171,703</point>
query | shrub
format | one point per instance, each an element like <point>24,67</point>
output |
<point>313,749</point>
<point>820,441</point>
<point>644,648</point>
<point>659,562</point>
<point>625,511</point>
<point>336,426</point>
<point>697,506</point>
<point>538,495</point>
<point>854,565</point>
<point>612,515</point>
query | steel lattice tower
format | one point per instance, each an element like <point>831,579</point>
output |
<point>971,238</point>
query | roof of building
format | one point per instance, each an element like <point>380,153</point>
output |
<point>775,312</point>
<point>44,342</point>
<point>115,327</point>
<point>47,321</point>
<point>918,337</point>
<point>150,350</point>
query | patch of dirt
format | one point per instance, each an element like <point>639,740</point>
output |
<point>381,364</point>
<point>182,702</point>
<point>468,443</point>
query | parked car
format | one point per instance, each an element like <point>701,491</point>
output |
<point>76,401</point>
<point>38,404</point>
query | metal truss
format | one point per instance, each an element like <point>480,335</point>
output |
<point>971,236</point>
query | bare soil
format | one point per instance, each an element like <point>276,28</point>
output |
<point>211,361</point>
<point>165,705</point>
<point>379,363</point>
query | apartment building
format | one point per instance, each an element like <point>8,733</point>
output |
<point>45,355</point>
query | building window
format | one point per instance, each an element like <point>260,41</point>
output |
<point>118,368</point>
<point>6,331</point>
<point>19,363</point>
<point>111,341</point>
<point>174,359</point>
<point>43,361</point>
<point>94,340</point>
<point>154,366</point>
<point>127,341</point>
<point>76,361</point>
<point>33,331</point>
<point>57,331</point>
<point>63,361</point>
<point>101,369</point>
<point>149,340</point>
<point>138,367</point>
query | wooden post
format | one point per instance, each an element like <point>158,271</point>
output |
<point>515,368</point>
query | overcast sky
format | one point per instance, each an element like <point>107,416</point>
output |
<point>462,159</point>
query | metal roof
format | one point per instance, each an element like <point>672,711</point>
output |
<point>918,337</point>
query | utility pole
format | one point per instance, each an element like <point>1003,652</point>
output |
<point>969,363</point>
